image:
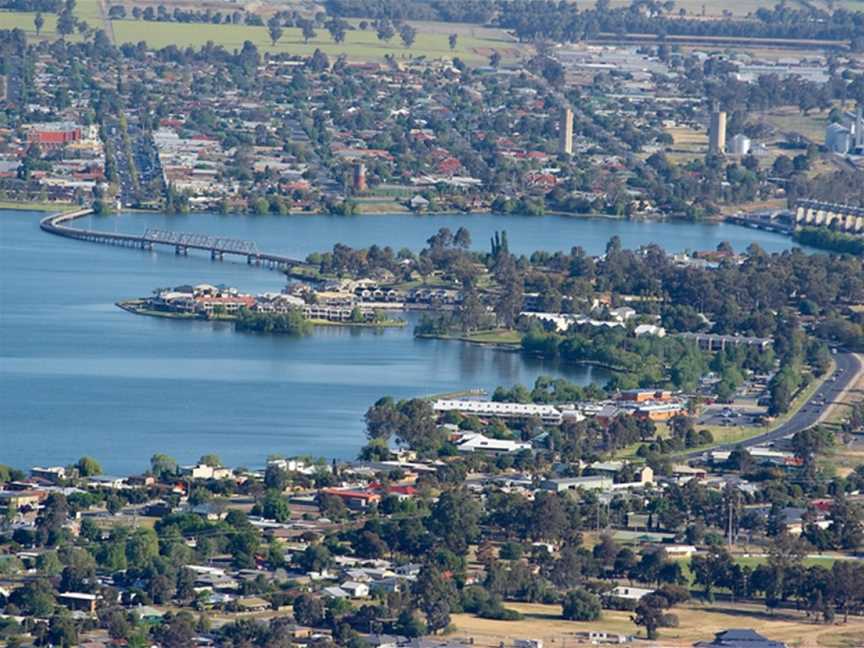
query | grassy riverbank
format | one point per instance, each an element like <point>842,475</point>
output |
<point>35,206</point>
<point>504,338</point>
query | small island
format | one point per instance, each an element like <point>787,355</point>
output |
<point>277,313</point>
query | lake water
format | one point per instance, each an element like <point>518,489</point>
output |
<point>80,376</point>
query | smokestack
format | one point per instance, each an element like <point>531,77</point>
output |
<point>566,132</point>
<point>717,131</point>
<point>859,128</point>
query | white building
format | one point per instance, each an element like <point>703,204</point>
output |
<point>846,136</point>
<point>493,409</point>
<point>740,145</point>
<point>839,138</point>
<point>629,593</point>
<point>475,442</point>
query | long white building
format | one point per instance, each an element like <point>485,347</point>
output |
<point>493,409</point>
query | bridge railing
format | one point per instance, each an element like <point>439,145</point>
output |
<point>202,241</point>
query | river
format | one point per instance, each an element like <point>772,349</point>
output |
<point>80,376</point>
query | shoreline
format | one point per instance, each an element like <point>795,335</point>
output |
<point>61,207</point>
<point>134,306</point>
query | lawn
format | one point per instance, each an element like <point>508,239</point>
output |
<point>696,622</point>
<point>497,336</point>
<point>358,45</point>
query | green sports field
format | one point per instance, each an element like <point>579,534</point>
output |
<point>475,44</point>
<point>358,45</point>
<point>86,10</point>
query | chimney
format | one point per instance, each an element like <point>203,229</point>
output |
<point>859,128</point>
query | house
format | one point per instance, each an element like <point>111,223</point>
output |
<point>107,481</point>
<point>642,474</point>
<point>52,474</point>
<point>252,604</point>
<point>684,473</point>
<point>19,499</point>
<point>355,589</point>
<point>389,585</point>
<point>623,313</point>
<point>740,638</point>
<point>592,482</point>
<point>335,592</point>
<point>79,601</point>
<point>203,471</point>
<point>418,203</point>
<point>353,499</point>
<point>649,329</point>
<point>675,551</point>
<point>148,614</point>
<point>629,593</point>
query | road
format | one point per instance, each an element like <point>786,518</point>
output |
<point>846,369</point>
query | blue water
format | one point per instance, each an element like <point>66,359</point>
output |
<point>80,376</point>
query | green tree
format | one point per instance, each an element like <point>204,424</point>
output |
<point>275,507</point>
<point>308,610</point>
<point>35,598</point>
<point>454,520</point>
<point>88,467</point>
<point>65,23</point>
<point>711,569</point>
<point>162,466</point>
<point>649,613</point>
<point>408,34</point>
<point>275,31</point>
<point>211,460</point>
<point>307,28</point>
<point>581,605</point>
<point>434,596</point>
<point>38,22</point>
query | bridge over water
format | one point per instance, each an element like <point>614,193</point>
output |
<point>182,242</point>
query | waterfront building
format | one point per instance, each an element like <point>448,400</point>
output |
<point>492,409</point>
<point>716,342</point>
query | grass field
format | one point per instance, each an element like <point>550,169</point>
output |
<point>24,20</point>
<point>696,622</point>
<point>475,44</point>
<point>712,7</point>
<point>687,144</point>
<point>789,119</point>
<point>358,45</point>
<point>86,10</point>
